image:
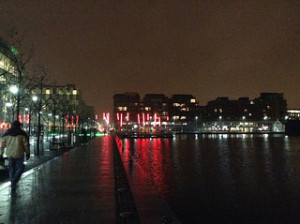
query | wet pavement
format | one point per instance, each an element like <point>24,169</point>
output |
<point>77,187</point>
<point>84,185</point>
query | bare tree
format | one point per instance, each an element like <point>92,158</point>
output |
<point>21,79</point>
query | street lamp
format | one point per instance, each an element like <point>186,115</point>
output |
<point>220,118</point>
<point>14,89</point>
<point>7,104</point>
<point>34,98</point>
<point>243,123</point>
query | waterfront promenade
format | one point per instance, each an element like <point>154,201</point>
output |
<point>86,184</point>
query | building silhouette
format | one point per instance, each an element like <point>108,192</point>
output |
<point>182,113</point>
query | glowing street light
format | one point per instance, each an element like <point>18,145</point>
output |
<point>14,89</point>
<point>34,98</point>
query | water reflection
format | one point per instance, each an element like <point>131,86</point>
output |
<point>212,178</point>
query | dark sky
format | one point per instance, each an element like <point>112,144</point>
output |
<point>204,48</point>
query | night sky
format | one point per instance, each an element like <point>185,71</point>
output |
<point>204,48</point>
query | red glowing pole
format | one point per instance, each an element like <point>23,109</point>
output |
<point>118,119</point>
<point>144,122</point>
<point>155,117</point>
<point>121,120</point>
<point>139,122</point>
<point>159,123</point>
<point>148,119</point>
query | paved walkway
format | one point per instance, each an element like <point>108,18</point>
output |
<point>87,184</point>
<point>77,187</point>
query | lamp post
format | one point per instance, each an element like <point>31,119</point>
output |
<point>39,106</point>
<point>243,123</point>
<point>220,118</point>
<point>14,90</point>
<point>8,104</point>
<point>34,99</point>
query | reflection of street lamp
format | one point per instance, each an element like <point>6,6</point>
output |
<point>196,122</point>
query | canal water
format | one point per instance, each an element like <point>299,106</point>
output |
<point>223,178</point>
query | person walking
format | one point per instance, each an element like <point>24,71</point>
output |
<point>16,142</point>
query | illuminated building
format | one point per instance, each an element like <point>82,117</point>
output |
<point>293,114</point>
<point>7,76</point>
<point>154,113</point>
<point>265,113</point>
<point>182,113</point>
<point>62,105</point>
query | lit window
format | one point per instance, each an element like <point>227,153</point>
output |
<point>147,108</point>
<point>175,117</point>
<point>216,110</point>
<point>183,118</point>
<point>193,101</point>
<point>176,104</point>
<point>48,91</point>
<point>74,92</point>
<point>221,110</point>
<point>245,110</point>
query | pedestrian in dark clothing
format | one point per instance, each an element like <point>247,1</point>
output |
<point>16,142</point>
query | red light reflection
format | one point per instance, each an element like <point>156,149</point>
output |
<point>149,159</point>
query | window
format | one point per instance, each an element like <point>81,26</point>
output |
<point>122,108</point>
<point>193,100</point>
